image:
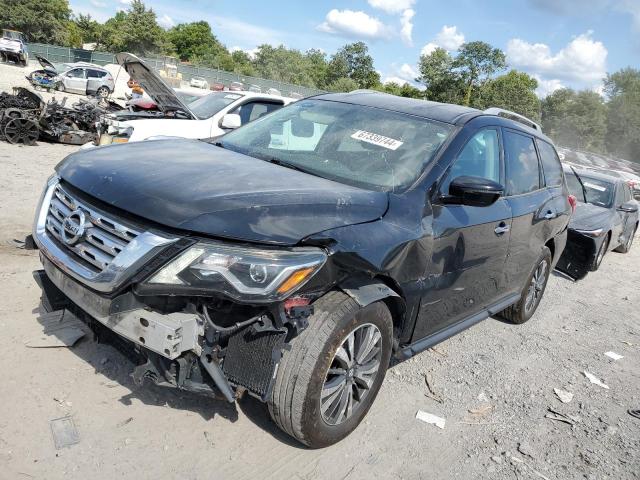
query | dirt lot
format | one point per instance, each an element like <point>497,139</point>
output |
<point>494,384</point>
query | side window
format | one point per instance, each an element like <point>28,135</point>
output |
<point>76,73</point>
<point>550,164</point>
<point>522,167</point>
<point>575,188</point>
<point>95,73</point>
<point>627,193</point>
<point>619,195</point>
<point>253,110</point>
<point>480,157</point>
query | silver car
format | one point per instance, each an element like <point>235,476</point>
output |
<point>80,77</point>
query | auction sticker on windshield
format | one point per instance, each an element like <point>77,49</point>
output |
<point>375,139</point>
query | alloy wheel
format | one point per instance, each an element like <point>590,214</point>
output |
<point>352,372</point>
<point>536,287</point>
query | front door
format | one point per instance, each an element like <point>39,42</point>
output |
<point>470,244</point>
<point>76,81</point>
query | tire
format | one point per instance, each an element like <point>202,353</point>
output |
<point>295,402</point>
<point>103,92</point>
<point>602,251</point>
<point>521,311</point>
<point>59,87</point>
<point>626,247</point>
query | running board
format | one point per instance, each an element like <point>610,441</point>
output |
<point>425,343</point>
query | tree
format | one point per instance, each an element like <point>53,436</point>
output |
<point>514,91</point>
<point>43,21</point>
<point>476,62</point>
<point>194,39</point>
<point>88,29</point>
<point>344,84</point>
<point>437,74</point>
<point>136,31</point>
<point>318,67</point>
<point>623,122</point>
<point>283,64</point>
<point>353,61</point>
<point>242,63</point>
<point>576,119</point>
<point>404,90</point>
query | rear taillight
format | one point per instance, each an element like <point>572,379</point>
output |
<point>573,201</point>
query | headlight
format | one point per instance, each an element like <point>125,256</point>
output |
<point>243,273</point>
<point>591,233</point>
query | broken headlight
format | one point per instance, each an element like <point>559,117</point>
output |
<point>591,233</point>
<point>243,273</point>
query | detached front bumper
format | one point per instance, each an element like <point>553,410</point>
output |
<point>579,255</point>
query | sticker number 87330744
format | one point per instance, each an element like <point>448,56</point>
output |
<point>376,139</point>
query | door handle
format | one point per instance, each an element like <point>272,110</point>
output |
<point>502,229</point>
<point>550,215</point>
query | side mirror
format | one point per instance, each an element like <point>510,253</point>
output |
<point>231,121</point>
<point>628,207</point>
<point>474,191</point>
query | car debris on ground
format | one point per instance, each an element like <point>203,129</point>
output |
<point>431,419</point>
<point>64,432</point>
<point>563,395</point>
<point>595,380</point>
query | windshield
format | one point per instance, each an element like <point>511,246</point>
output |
<point>209,105</point>
<point>598,192</point>
<point>12,35</point>
<point>353,144</point>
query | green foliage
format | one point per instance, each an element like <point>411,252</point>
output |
<point>42,21</point>
<point>576,119</point>
<point>353,61</point>
<point>136,31</point>
<point>283,64</point>
<point>623,123</point>
<point>437,73</point>
<point>514,91</point>
<point>194,39</point>
<point>476,62</point>
<point>344,84</point>
<point>405,90</point>
<point>88,29</point>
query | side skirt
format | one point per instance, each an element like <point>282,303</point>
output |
<point>425,343</point>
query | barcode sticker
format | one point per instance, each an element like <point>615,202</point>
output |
<point>375,139</point>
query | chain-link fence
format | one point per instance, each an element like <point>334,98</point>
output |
<point>57,54</point>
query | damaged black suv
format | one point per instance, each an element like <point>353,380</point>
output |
<point>301,254</point>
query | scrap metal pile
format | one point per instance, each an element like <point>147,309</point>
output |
<point>25,118</point>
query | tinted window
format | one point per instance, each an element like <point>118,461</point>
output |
<point>253,110</point>
<point>619,195</point>
<point>480,157</point>
<point>627,192</point>
<point>599,192</point>
<point>550,164</point>
<point>95,74</point>
<point>523,171</point>
<point>575,188</point>
<point>76,73</point>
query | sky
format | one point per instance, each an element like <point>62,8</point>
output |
<point>562,43</point>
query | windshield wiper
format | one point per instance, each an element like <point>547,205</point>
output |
<point>282,163</point>
<point>584,190</point>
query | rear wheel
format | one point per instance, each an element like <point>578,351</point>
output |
<point>532,293</point>
<point>626,247</point>
<point>604,247</point>
<point>329,379</point>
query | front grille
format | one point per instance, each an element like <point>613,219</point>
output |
<point>103,238</point>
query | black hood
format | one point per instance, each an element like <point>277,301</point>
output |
<point>590,217</point>
<point>195,186</point>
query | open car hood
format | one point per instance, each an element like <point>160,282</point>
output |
<point>46,64</point>
<point>162,94</point>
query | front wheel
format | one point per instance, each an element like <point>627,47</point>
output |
<point>626,246</point>
<point>59,87</point>
<point>533,291</point>
<point>604,247</point>
<point>329,379</point>
<point>103,92</point>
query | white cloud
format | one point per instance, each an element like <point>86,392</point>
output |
<point>165,21</point>
<point>582,61</point>
<point>408,72</point>
<point>98,4</point>
<point>448,38</point>
<point>354,24</point>
<point>547,87</point>
<point>392,6</point>
<point>406,26</point>
<point>394,79</point>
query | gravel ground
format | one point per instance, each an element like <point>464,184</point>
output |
<point>494,385</point>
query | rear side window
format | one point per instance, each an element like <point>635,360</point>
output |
<point>95,73</point>
<point>480,157</point>
<point>76,73</point>
<point>550,164</point>
<point>523,170</point>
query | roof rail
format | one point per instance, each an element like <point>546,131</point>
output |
<point>501,112</point>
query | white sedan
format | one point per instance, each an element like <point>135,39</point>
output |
<point>199,82</point>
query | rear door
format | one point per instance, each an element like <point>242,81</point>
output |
<point>94,79</point>
<point>532,207</point>
<point>470,244</point>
